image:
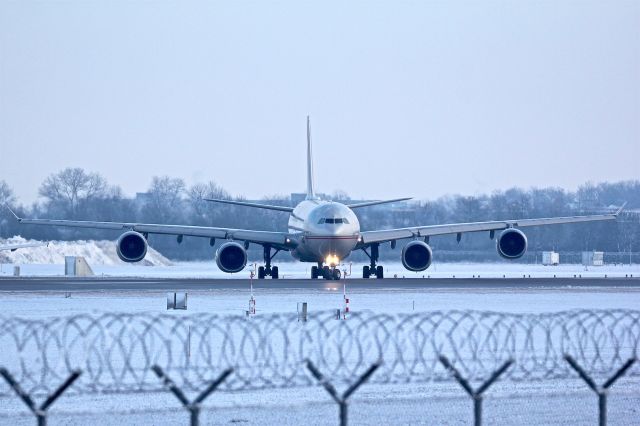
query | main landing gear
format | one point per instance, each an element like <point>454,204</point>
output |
<point>269,270</point>
<point>324,272</point>
<point>368,271</point>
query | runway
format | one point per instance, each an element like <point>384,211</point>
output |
<point>20,284</point>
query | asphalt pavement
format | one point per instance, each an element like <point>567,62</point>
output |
<point>19,284</point>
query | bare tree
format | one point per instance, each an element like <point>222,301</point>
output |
<point>6,194</point>
<point>165,198</point>
<point>340,195</point>
<point>72,186</point>
<point>207,212</point>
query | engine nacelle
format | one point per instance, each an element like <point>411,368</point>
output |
<point>417,256</point>
<point>511,244</point>
<point>231,257</point>
<point>131,247</point>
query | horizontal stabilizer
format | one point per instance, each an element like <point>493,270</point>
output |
<point>255,205</point>
<point>375,203</point>
<point>621,208</point>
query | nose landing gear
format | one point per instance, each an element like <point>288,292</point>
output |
<point>325,272</point>
<point>368,271</point>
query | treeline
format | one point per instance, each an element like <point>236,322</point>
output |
<point>76,194</point>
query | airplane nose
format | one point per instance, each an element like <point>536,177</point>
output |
<point>335,231</point>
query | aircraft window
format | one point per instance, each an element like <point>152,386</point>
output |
<point>333,220</point>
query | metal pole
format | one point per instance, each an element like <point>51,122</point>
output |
<point>477,410</point>
<point>41,411</point>
<point>342,400</point>
<point>476,395</point>
<point>601,391</point>
<point>194,411</point>
<point>343,413</point>
<point>192,406</point>
<point>602,407</point>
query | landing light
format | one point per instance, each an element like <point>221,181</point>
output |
<point>332,260</point>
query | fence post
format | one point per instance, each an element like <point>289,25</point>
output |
<point>192,407</point>
<point>477,394</point>
<point>603,391</point>
<point>41,411</point>
<point>342,400</point>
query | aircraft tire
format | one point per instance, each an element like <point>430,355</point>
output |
<point>366,272</point>
<point>314,272</point>
<point>326,272</point>
<point>261,274</point>
<point>379,272</point>
<point>336,274</point>
<point>274,273</point>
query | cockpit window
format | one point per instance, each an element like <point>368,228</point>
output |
<point>333,220</point>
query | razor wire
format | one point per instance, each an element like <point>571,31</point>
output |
<point>116,351</point>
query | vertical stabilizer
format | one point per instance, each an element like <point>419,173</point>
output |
<point>311,194</point>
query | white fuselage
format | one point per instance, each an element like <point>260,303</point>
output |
<point>326,231</point>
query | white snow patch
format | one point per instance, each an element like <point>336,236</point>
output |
<point>95,252</point>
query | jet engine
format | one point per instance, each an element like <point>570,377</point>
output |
<point>417,256</point>
<point>131,247</point>
<point>512,243</point>
<point>231,257</point>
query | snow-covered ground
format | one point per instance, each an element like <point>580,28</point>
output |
<point>302,270</point>
<point>567,402</point>
<point>387,300</point>
<point>546,402</point>
<point>101,253</point>
<point>102,257</point>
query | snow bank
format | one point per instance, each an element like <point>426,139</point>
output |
<point>95,253</point>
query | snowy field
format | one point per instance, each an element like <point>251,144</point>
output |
<point>559,404</point>
<point>534,403</point>
<point>387,300</point>
<point>302,270</point>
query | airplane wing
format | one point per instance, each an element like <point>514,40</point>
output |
<point>256,205</point>
<point>280,240</point>
<point>375,203</point>
<point>14,247</point>
<point>369,237</point>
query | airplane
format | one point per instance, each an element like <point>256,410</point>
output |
<point>322,232</point>
<point>14,247</point>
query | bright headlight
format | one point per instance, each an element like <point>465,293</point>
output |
<point>332,260</point>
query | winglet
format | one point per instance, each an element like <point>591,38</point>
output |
<point>19,219</point>
<point>620,209</point>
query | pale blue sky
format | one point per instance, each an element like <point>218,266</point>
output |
<point>406,98</point>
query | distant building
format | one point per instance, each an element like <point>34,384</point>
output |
<point>593,258</point>
<point>550,258</point>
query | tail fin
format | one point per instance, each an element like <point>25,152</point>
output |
<point>311,194</point>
